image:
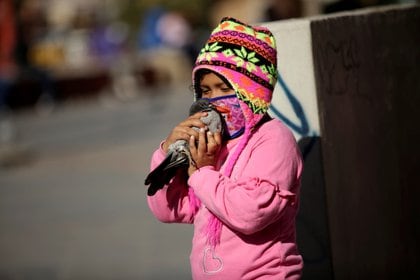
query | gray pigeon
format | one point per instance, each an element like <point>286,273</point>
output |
<point>178,155</point>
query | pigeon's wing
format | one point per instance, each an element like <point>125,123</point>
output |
<point>157,177</point>
<point>155,172</point>
<point>165,171</point>
<point>159,181</point>
<point>179,161</point>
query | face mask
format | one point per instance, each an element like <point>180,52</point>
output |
<point>231,111</point>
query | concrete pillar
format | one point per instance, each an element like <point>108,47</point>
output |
<point>351,80</point>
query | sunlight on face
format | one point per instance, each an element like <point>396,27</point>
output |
<point>212,86</point>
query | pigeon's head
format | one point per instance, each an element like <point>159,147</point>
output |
<point>200,105</point>
<point>214,119</point>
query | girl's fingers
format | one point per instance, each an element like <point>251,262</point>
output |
<point>193,123</point>
<point>218,138</point>
<point>213,143</point>
<point>194,120</point>
<point>202,143</point>
<point>184,133</point>
<point>192,145</point>
<point>199,115</point>
<point>210,138</point>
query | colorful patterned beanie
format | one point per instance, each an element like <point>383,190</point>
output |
<point>246,56</point>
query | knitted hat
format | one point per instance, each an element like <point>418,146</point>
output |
<point>246,56</point>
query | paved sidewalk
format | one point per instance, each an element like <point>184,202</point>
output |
<point>74,205</point>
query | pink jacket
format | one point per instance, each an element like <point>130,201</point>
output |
<point>257,205</point>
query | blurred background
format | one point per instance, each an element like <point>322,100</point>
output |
<point>88,89</point>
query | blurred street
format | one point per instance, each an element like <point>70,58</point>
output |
<point>88,90</point>
<point>72,199</point>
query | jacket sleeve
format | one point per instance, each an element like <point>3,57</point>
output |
<point>170,204</point>
<point>265,189</point>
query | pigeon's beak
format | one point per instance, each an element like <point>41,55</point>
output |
<point>221,109</point>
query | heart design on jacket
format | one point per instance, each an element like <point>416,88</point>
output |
<point>211,262</point>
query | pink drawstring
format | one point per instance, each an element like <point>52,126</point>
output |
<point>195,203</point>
<point>213,231</point>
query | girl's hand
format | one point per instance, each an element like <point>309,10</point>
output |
<point>184,130</point>
<point>205,151</point>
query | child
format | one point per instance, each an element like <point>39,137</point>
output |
<point>241,193</point>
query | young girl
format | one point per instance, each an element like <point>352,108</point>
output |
<point>241,193</point>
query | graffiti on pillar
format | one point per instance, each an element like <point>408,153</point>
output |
<point>301,126</point>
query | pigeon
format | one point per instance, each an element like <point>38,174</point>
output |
<point>178,155</point>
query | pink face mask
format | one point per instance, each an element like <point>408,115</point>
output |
<point>231,111</point>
